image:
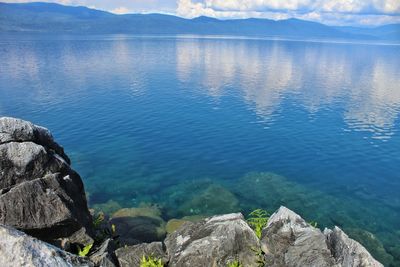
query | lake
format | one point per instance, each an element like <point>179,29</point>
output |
<point>209,125</point>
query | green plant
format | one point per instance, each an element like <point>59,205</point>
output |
<point>83,252</point>
<point>150,261</point>
<point>260,261</point>
<point>235,263</point>
<point>258,220</point>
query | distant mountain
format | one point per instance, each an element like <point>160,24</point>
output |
<point>385,32</point>
<point>55,18</point>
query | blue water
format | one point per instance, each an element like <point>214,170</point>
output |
<point>194,124</point>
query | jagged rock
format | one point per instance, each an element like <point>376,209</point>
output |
<point>374,246</point>
<point>215,241</point>
<point>17,130</point>
<point>131,256</point>
<point>348,252</point>
<point>288,240</point>
<point>39,192</point>
<point>104,255</point>
<point>19,249</point>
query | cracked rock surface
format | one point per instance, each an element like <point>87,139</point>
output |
<point>39,192</point>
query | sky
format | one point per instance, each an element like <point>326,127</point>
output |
<point>331,12</point>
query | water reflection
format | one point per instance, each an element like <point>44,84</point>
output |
<point>147,119</point>
<point>318,76</point>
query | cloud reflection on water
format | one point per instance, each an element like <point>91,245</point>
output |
<point>268,72</point>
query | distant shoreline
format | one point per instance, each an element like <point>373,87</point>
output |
<point>127,36</point>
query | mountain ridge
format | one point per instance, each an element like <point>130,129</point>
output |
<point>40,17</point>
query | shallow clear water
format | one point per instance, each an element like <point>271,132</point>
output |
<point>212,125</point>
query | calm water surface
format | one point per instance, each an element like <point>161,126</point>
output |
<point>209,125</point>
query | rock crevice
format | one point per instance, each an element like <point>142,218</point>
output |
<point>40,194</point>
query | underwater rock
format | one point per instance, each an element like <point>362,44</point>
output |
<point>136,225</point>
<point>215,241</point>
<point>175,224</point>
<point>143,210</point>
<point>348,252</point>
<point>215,199</point>
<point>131,256</point>
<point>108,207</point>
<point>19,249</point>
<point>39,192</point>
<point>288,240</point>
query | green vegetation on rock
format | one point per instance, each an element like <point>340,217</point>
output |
<point>234,263</point>
<point>150,261</point>
<point>83,252</point>
<point>258,220</point>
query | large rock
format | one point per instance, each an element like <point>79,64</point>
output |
<point>19,249</point>
<point>348,252</point>
<point>39,192</point>
<point>104,255</point>
<point>215,241</point>
<point>17,130</point>
<point>288,240</point>
<point>131,256</point>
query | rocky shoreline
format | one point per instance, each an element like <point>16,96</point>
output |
<point>45,221</point>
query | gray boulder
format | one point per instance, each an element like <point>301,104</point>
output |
<point>104,255</point>
<point>348,252</point>
<point>214,241</point>
<point>131,256</point>
<point>39,192</point>
<point>17,130</point>
<point>288,240</point>
<point>19,249</point>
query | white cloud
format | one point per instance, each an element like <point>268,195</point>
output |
<point>121,10</point>
<point>333,12</point>
<point>337,12</point>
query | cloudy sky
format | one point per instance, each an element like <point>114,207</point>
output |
<point>332,12</point>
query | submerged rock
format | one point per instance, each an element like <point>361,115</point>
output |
<point>213,199</point>
<point>143,210</point>
<point>39,192</point>
<point>19,249</point>
<point>215,241</point>
<point>109,207</point>
<point>131,256</point>
<point>136,225</point>
<point>175,224</point>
